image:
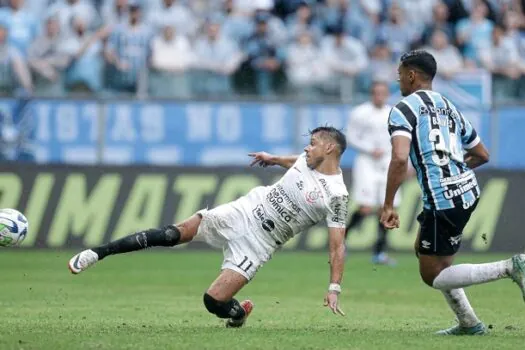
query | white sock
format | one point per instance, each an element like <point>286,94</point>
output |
<point>458,302</point>
<point>464,275</point>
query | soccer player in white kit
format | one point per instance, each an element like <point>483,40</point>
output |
<point>367,132</point>
<point>252,228</point>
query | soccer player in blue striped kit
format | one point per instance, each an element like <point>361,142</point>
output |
<point>429,129</point>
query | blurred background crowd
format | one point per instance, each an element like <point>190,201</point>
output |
<point>303,49</point>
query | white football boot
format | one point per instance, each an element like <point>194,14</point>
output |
<point>82,261</point>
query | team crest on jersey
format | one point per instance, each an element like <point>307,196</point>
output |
<point>313,196</point>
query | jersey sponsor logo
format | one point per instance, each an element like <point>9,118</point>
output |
<point>444,111</point>
<point>268,225</point>
<point>425,244</point>
<point>260,214</point>
<point>300,185</point>
<point>446,181</point>
<point>468,204</point>
<point>276,198</point>
<point>339,207</point>
<point>459,190</point>
<point>313,196</point>
<point>325,187</point>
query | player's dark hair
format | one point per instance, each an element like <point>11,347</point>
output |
<point>333,133</point>
<point>422,61</point>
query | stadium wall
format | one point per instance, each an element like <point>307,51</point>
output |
<point>199,133</point>
<point>80,206</point>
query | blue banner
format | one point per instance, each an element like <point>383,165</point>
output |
<point>181,133</point>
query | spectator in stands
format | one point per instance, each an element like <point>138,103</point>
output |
<point>418,13</point>
<point>22,26</point>
<point>440,22</point>
<point>236,25</point>
<point>264,55</point>
<point>502,59</point>
<point>356,19</point>
<point>14,72</point>
<point>84,48</point>
<point>174,13</point>
<point>397,32</point>
<point>217,57</point>
<point>303,20</point>
<point>66,10</point>
<point>382,66</point>
<point>346,58</point>
<point>47,59</point>
<point>448,58</point>
<point>284,8</point>
<point>306,69</point>
<point>115,12</point>
<point>127,53</point>
<point>276,29</point>
<point>37,8</point>
<point>171,58</point>
<point>474,33</point>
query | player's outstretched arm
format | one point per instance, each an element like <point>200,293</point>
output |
<point>336,238</point>
<point>477,156</point>
<point>266,159</point>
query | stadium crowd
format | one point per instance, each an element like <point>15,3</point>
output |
<point>217,48</point>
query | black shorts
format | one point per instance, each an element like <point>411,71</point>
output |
<point>442,230</point>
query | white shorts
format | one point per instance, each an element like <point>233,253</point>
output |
<point>369,184</point>
<point>244,248</point>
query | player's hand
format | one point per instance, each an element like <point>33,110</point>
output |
<point>389,218</point>
<point>331,300</point>
<point>262,159</point>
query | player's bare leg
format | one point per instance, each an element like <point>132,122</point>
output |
<point>219,298</point>
<point>439,273</point>
<point>167,236</point>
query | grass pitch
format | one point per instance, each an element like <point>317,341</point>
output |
<point>153,300</point>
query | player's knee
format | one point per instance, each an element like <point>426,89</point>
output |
<point>428,276</point>
<point>172,235</point>
<point>429,280</point>
<point>365,210</point>
<point>215,307</point>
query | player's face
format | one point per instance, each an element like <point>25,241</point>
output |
<point>379,94</point>
<point>405,80</point>
<point>315,151</point>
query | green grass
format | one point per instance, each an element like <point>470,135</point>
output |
<point>153,300</point>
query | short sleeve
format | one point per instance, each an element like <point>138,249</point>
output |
<point>337,215</point>
<point>401,121</point>
<point>469,136</point>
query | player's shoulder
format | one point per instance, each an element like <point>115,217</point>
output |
<point>335,186</point>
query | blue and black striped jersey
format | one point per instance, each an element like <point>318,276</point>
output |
<point>439,135</point>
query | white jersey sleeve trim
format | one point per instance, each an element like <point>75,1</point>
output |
<point>474,143</point>
<point>401,133</point>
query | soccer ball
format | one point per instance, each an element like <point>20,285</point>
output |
<point>13,227</point>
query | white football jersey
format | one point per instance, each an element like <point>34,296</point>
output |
<point>367,131</point>
<point>300,199</point>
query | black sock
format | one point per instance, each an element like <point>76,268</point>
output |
<point>224,309</point>
<point>381,240</point>
<point>165,237</point>
<point>355,220</point>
